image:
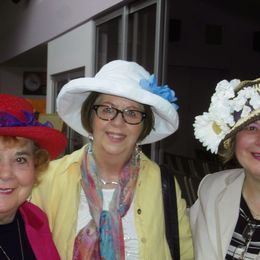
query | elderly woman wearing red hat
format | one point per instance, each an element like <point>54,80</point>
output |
<point>25,148</point>
<point>104,201</point>
<point>226,217</point>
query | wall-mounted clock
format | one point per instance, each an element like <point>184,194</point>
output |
<point>34,83</point>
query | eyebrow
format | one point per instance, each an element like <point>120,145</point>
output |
<point>130,107</point>
<point>24,152</point>
<point>254,123</point>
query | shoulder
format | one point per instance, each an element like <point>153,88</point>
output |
<point>67,163</point>
<point>149,170</point>
<point>214,188</point>
<point>33,215</point>
<point>149,165</point>
<point>216,182</point>
<point>68,159</point>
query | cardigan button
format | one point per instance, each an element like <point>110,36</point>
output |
<point>143,240</point>
<point>139,211</point>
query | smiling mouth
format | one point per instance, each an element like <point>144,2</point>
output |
<point>257,155</point>
<point>115,136</point>
<point>6,190</point>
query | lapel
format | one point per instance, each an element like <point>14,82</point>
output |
<point>228,203</point>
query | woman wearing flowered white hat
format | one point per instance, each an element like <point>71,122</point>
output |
<point>225,219</point>
<point>105,200</point>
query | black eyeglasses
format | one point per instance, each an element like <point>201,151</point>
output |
<point>130,116</point>
<point>248,232</point>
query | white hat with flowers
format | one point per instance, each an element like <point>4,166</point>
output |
<point>234,105</point>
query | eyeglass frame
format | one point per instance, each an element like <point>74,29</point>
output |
<point>143,114</point>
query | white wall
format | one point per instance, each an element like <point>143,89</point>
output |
<point>72,50</point>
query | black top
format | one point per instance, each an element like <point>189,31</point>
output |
<point>246,237</point>
<point>10,242</point>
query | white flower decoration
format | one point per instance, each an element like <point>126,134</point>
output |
<point>206,132</point>
<point>211,127</point>
<point>255,99</point>
<point>246,111</point>
<point>255,102</point>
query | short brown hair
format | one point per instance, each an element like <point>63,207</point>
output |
<point>87,116</point>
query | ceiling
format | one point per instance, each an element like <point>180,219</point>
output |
<point>249,9</point>
<point>36,57</point>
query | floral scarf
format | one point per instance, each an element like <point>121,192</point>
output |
<point>102,237</point>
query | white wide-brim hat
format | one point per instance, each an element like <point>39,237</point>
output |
<point>120,78</point>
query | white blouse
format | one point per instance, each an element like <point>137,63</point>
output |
<point>130,235</point>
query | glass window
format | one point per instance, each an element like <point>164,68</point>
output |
<point>108,41</point>
<point>75,140</point>
<point>141,37</point>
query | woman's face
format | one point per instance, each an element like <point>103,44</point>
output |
<point>116,137</point>
<point>247,149</point>
<point>16,176</point>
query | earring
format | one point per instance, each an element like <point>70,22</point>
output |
<point>138,150</point>
<point>90,143</point>
<point>90,137</point>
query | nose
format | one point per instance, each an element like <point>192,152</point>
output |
<point>6,172</point>
<point>118,120</point>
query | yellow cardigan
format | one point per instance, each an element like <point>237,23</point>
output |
<point>58,195</point>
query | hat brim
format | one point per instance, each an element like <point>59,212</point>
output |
<point>47,138</point>
<point>74,93</point>
<point>243,122</point>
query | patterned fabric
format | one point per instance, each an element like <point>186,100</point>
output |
<point>245,242</point>
<point>102,237</point>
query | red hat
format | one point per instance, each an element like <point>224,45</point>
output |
<point>17,119</point>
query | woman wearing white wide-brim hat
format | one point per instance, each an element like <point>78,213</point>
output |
<point>104,201</point>
<point>225,219</point>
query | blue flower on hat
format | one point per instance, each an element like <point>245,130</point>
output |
<point>162,91</point>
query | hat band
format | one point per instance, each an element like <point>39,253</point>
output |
<point>8,120</point>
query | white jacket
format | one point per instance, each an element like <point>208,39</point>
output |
<point>214,215</point>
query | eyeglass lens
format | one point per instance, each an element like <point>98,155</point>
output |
<point>130,116</point>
